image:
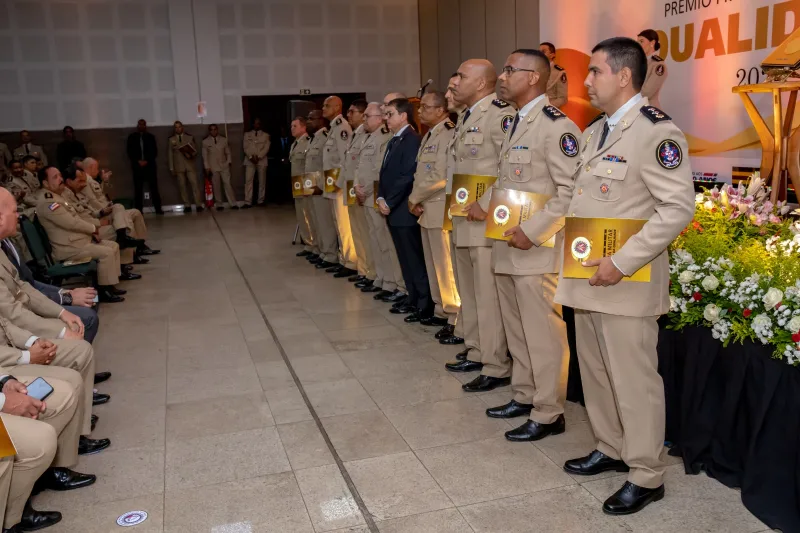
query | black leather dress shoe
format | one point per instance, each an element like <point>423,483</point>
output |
<point>119,292</point>
<point>452,340</point>
<point>236,207</point>
<point>402,310</point>
<point>95,418</point>
<point>101,377</point>
<point>363,283</point>
<point>357,279</point>
<point>345,273</point>
<point>139,260</point>
<point>200,208</point>
<point>33,520</point>
<point>312,257</point>
<point>335,268</point>
<point>631,499</point>
<point>247,206</point>
<point>594,463</point>
<point>413,317</point>
<point>434,321</point>
<point>220,208</point>
<point>371,288</point>
<point>462,355</point>
<point>396,296</point>
<point>446,331</point>
<point>512,409</point>
<point>531,431</point>
<point>87,446</point>
<point>100,399</point>
<point>129,276</point>
<point>58,478</point>
<point>126,268</point>
<point>303,253</point>
<point>485,383</point>
<point>106,296</point>
<point>382,294</point>
<point>324,264</point>
<point>402,301</point>
<point>464,366</point>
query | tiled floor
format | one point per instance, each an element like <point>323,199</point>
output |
<point>211,432</point>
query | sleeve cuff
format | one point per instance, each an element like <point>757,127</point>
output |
<point>31,340</point>
<point>25,358</point>
<point>618,268</point>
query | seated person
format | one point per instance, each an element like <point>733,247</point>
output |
<point>19,187</point>
<point>30,166</point>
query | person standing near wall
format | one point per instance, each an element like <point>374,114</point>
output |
<point>256,146</point>
<point>217,164</point>
<point>142,152</point>
<point>656,67</point>
<point>557,88</point>
<point>182,152</point>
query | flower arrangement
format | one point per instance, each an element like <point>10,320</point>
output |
<point>736,269</point>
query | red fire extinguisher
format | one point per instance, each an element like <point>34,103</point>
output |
<point>209,192</point>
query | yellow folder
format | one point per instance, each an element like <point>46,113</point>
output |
<point>509,208</point>
<point>350,197</point>
<point>467,188</point>
<point>595,238</point>
<point>330,180</point>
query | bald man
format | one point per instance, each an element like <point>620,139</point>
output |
<point>336,144</point>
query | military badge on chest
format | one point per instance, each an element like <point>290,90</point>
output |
<point>669,154</point>
<point>569,145</point>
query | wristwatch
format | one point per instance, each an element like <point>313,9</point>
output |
<point>5,380</point>
<point>66,299</point>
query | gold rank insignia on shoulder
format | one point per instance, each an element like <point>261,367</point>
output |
<point>595,119</point>
<point>654,114</point>
<point>657,57</point>
<point>553,112</point>
<point>558,67</point>
<point>500,103</point>
<point>48,195</point>
<point>449,125</point>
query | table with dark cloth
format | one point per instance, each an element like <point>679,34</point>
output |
<point>731,411</point>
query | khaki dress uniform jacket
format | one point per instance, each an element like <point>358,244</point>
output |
<point>557,88</point>
<point>333,156</point>
<point>255,143</point>
<point>323,216</point>
<point>654,81</point>
<point>358,219</point>
<point>184,168</point>
<point>302,204</point>
<point>217,161</point>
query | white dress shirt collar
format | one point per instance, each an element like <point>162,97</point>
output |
<point>399,133</point>
<point>472,109</point>
<point>614,119</point>
<point>530,105</point>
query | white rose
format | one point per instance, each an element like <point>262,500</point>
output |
<point>772,298</point>
<point>687,276</point>
<point>794,325</point>
<point>760,322</point>
<point>673,304</point>
<point>699,198</point>
<point>709,205</point>
<point>710,283</point>
<point>711,313</point>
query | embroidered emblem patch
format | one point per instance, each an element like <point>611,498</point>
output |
<point>474,150</point>
<point>604,188</point>
<point>660,70</point>
<point>517,171</point>
<point>297,185</point>
<point>669,154</point>
<point>329,181</point>
<point>343,135</point>
<point>54,206</point>
<point>569,145</point>
<point>352,192</point>
<point>308,184</point>
<point>506,123</point>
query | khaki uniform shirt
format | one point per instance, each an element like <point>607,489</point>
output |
<point>256,143</point>
<point>81,205</point>
<point>95,195</point>
<point>177,161</point>
<point>216,153</point>
<point>430,178</point>
<point>30,149</point>
<point>339,137</point>
<point>557,86</point>
<point>314,157</point>
<point>370,161</point>
<point>297,154</point>
<point>351,158</point>
<point>642,172</point>
<point>66,230</point>
<point>32,180</point>
<point>656,75</point>
<point>476,150</point>
<point>18,186</point>
<point>25,306</point>
<point>539,158</point>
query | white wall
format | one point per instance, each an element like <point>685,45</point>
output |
<point>107,63</point>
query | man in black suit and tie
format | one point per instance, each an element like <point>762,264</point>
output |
<point>142,151</point>
<point>396,183</point>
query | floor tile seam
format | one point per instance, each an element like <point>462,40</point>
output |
<point>370,522</point>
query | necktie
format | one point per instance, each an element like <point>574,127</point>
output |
<point>389,149</point>
<point>428,136</point>
<point>514,127</point>
<point>215,140</point>
<point>27,149</point>
<point>180,139</point>
<point>466,116</point>
<point>603,136</point>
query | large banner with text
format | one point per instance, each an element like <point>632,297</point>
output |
<point>709,47</point>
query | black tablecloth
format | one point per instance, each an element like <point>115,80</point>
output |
<point>733,412</point>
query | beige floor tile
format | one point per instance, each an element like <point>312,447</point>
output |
<point>351,320</point>
<point>304,445</point>
<point>132,426</point>
<point>561,509</point>
<point>288,326</point>
<point>363,435</point>
<point>365,334</point>
<point>274,375</point>
<point>132,362</point>
<point>412,389</point>
<point>229,414</point>
<point>196,335</point>
<point>691,504</point>
<point>182,360</point>
<point>304,345</point>
<point>144,392</point>
<point>264,350</point>
<point>447,422</point>
<point>102,517</point>
<point>267,504</point>
<point>203,385</point>
<point>339,398</point>
<point>228,457</point>
<point>287,405</point>
<point>398,485</point>
<point>446,521</point>
<point>320,369</point>
<point>328,500</point>
<point>392,363</point>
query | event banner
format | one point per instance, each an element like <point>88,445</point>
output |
<point>297,186</point>
<point>350,197</point>
<point>509,208</point>
<point>467,188</point>
<point>595,238</point>
<point>330,180</point>
<point>310,181</point>
<point>447,225</point>
<point>708,47</point>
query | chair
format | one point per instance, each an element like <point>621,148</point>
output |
<point>44,268</point>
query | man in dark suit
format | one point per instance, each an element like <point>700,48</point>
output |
<point>142,151</point>
<point>396,183</point>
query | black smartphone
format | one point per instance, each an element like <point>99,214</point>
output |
<point>39,389</point>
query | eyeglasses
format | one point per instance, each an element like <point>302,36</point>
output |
<point>425,107</point>
<point>372,115</point>
<point>509,70</point>
<point>389,114</point>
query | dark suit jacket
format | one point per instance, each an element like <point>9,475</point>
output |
<point>135,152</point>
<point>397,177</point>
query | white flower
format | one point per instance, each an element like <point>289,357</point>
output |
<point>684,256</point>
<point>772,298</point>
<point>673,304</point>
<point>794,325</point>
<point>687,276</point>
<point>711,313</point>
<point>710,283</point>
<point>709,205</point>
<point>699,198</point>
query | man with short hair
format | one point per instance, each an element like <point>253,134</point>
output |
<point>30,164</point>
<point>557,88</point>
<point>27,147</point>
<point>302,204</point>
<point>69,149</point>
<point>142,151</point>
<point>217,164</point>
<point>324,223</point>
<point>616,320</point>
<point>182,156</point>
<point>256,146</point>
<point>5,159</point>
<point>17,186</point>
<point>358,221</point>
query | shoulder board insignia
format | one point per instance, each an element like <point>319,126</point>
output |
<point>384,130</point>
<point>48,195</point>
<point>449,125</point>
<point>53,206</point>
<point>654,114</point>
<point>657,58</point>
<point>337,122</point>
<point>325,133</point>
<point>558,67</point>
<point>500,103</point>
<point>595,119</point>
<point>553,112</point>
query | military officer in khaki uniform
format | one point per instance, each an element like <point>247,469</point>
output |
<point>20,188</point>
<point>256,146</point>
<point>633,164</point>
<point>302,204</point>
<point>30,175</point>
<point>324,222</point>
<point>557,88</point>
<point>5,159</point>
<point>217,163</point>
<point>336,144</point>
<point>182,165</point>
<point>656,67</point>
<point>475,150</point>
<point>427,201</point>
<point>537,156</point>
<point>28,148</point>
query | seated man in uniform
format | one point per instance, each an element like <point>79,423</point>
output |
<point>74,238</point>
<point>30,165</point>
<point>22,191</point>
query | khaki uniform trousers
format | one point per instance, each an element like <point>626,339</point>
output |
<point>325,227</point>
<point>360,229</point>
<point>304,223</point>
<point>624,392</point>
<point>107,233</point>
<point>135,221</point>
<point>191,177</point>
<point>347,250</point>
<point>249,172</point>
<point>439,264</point>
<point>222,180</point>
<point>387,266</point>
<point>537,339</point>
<point>108,260</point>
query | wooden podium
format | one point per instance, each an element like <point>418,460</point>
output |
<point>780,148</point>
